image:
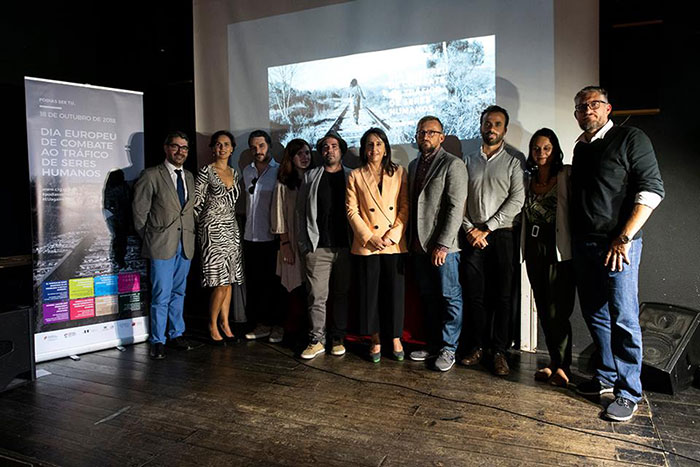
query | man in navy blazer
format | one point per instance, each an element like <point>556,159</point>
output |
<point>163,210</point>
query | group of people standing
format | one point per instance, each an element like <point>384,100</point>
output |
<point>311,231</point>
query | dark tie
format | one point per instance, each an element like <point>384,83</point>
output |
<point>180,187</point>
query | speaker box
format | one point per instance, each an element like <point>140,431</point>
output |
<point>671,344</point>
<point>16,346</point>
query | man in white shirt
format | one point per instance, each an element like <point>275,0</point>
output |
<point>259,245</point>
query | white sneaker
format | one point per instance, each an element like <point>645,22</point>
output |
<point>419,355</point>
<point>276,335</point>
<point>259,332</point>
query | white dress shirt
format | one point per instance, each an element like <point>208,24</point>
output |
<point>171,170</point>
<point>259,203</point>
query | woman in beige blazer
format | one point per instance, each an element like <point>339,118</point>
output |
<point>377,208</point>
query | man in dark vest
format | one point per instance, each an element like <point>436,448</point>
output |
<point>616,185</point>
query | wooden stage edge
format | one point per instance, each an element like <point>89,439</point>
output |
<point>257,404</point>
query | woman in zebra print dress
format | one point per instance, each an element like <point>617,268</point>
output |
<point>216,192</point>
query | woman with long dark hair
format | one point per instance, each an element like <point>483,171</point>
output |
<point>216,192</point>
<point>296,160</point>
<point>546,249</point>
<point>377,209</point>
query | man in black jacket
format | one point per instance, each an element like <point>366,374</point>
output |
<point>616,185</point>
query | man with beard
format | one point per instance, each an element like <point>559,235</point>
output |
<point>437,189</point>
<point>496,196</point>
<point>163,210</point>
<point>616,184</point>
<point>324,244</point>
<point>259,245</point>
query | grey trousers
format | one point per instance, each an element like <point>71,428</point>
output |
<point>328,271</point>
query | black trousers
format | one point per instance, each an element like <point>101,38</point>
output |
<point>262,283</point>
<point>553,285</point>
<point>488,284</point>
<point>382,287</point>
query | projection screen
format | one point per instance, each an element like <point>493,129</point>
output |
<point>544,51</point>
<point>344,40</point>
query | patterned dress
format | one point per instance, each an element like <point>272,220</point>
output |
<point>217,229</point>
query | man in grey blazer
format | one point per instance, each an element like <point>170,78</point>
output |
<point>163,209</point>
<point>438,191</point>
<point>323,235</point>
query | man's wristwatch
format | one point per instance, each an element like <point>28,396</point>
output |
<point>624,239</point>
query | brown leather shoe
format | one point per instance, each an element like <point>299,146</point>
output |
<point>473,357</point>
<point>500,365</point>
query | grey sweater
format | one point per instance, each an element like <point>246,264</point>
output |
<point>496,189</point>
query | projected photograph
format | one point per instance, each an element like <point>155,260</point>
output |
<point>391,89</point>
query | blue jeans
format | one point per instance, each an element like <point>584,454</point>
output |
<point>441,294</point>
<point>168,282</point>
<point>610,306</point>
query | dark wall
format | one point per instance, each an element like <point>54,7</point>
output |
<point>143,46</point>
<point>649,61</point>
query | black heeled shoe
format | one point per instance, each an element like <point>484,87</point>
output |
<point>232,339</point>
<point>215,343</point>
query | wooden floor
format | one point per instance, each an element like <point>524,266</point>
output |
<point>255,404</point>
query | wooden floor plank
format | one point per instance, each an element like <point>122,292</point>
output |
<point>257,404</point>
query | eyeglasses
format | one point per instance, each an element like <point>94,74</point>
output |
<point>428,133</point>
<point>253,182</point>
<point>176,147</point>
<point>594,105</point>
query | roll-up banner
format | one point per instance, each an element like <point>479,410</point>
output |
<point>85,153</point>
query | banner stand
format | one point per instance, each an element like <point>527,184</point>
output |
<point>85,147</point>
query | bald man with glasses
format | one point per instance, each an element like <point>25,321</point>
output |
<point>616,184</point>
